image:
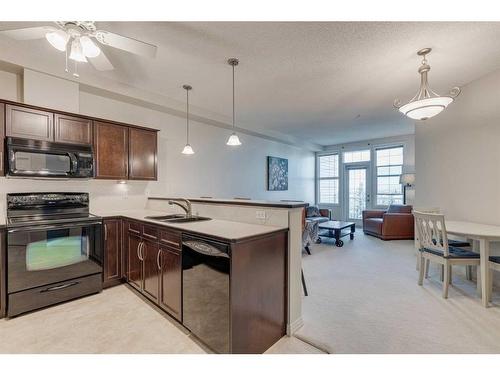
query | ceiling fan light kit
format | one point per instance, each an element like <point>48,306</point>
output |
<point>426,103</point>
<point>82,40</point>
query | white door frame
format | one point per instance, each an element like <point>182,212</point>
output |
<point>345,194</point>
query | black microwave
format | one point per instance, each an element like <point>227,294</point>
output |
<point>35,158</point>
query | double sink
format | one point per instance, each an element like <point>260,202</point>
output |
<point>178,218</point>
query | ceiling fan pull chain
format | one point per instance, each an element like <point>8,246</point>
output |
<point>67,69</point>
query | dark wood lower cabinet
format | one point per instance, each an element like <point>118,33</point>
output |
<point>134,262</point>
<point>171,281</point>
<point>112,265</point>
<point>153,268</point>
<point>150,255</point>
<point>3,275</point>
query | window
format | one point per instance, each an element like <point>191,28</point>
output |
<point>389,168</point>
<point>328,168</point>
<point>356,156</point>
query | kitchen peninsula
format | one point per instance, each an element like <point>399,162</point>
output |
<point>263,250</point>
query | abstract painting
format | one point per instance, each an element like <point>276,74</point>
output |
<point>277,173</point>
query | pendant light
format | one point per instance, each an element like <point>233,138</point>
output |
<point>188,150</point>
<point>233,139</point>
<point>426,103</point>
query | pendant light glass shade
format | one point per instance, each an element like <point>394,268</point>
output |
<point>89,47</point>
<point>58,39</point>
<point>188,150</point>
<point>233,140</point>
<point>77,51</point>
<point>426,103</point>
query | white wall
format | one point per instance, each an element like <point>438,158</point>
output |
<point>458,155</point>
<point>214,170</point>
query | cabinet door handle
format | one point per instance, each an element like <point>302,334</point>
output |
<point>105,232</point>
<point>158,259</point>
<point>142,251</point>
<point>138,251</point>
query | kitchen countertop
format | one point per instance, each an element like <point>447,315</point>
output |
<point>244,202</point>
<point>224,229</point>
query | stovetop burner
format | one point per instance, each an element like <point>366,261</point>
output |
<point>25,209</point>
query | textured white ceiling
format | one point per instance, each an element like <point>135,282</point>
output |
<point>324,83</point>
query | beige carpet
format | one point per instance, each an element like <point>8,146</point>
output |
<point>364,298</point>
<point>114,321</point>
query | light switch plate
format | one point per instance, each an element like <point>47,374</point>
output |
<point>260,214</point>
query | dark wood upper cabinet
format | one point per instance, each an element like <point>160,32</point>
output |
<point>2,136</point>
<point>30,123</point>
<point>171,281</point>
<point>70,129</point>
<point>142,154</point>
<point>111,150</point>
<point>112,252</point>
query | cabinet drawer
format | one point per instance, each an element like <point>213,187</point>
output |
<point>170,237</point>
<point>134,227</point>
<point>150,232</point>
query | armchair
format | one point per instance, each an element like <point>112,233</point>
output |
<point>395,223</point>
<point>319,215</point>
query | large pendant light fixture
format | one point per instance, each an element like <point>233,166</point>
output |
<point>188,150</point>
<point>233,139</point>
<point>426,103</point>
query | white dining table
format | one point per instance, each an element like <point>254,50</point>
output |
<point>484,234</point>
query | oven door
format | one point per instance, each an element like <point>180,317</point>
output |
<point>47,254</point>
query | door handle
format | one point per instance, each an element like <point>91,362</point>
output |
<point>105,232</point>
<point>158,259</point>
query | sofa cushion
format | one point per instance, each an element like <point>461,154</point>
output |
<point>373,224</point>
<point>399,209</point>
<point>454,252</point>
<point>313,211</point>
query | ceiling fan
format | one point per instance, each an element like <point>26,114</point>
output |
<point>78,40</point>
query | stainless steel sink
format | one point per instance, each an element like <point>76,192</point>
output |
<point>177,218</point>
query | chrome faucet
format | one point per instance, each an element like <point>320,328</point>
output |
<point>186,205</point>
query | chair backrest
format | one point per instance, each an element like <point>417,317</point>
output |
<point>431,231</point>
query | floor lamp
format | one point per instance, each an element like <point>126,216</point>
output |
<point>407,180</point>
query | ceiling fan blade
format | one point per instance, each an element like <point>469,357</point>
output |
<point>101,62</point>
<point>125,43</point>
<point>28,33</point>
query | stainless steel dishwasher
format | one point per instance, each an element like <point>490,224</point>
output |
<point>205,290</point>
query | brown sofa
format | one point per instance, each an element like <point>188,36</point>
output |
<point>395,223</point>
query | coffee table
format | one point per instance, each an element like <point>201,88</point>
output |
<point>335,229</point>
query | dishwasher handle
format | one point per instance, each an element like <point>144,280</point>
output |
<point>205,248</point>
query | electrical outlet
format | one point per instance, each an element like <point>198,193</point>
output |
<point>260,214</point>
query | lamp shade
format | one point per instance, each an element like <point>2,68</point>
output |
<point>407,179</point>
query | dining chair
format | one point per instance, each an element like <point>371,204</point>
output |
<point>494,264</point>
<point>434,247</point>
<point>455,243</point>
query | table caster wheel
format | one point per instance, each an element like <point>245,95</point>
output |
<point>318,240</point>
<point>351,236</point>
<point>339,243</point>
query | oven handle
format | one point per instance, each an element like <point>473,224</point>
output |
<point>55,226</point>
<point>59,287</point>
